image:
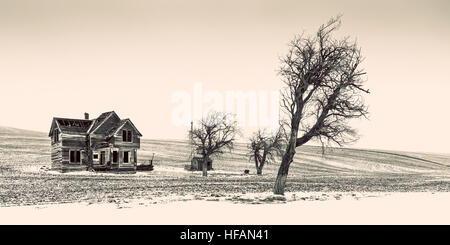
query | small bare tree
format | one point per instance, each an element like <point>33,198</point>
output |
<point>214,134</point>
<point>264,147</point>
<point>324,88</point>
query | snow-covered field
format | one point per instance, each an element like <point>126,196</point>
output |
<point>346,186</point>
<point>369,208</point>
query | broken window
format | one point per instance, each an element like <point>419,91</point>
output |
<point>75,157</point>
<point>124,135</point>
<point>55,136</point>
<point>129,136</point>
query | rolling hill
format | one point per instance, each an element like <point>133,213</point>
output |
<point>23,153</point>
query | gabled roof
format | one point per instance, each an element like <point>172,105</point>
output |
<point>71,126</point>
<point>123,123</point>
<point>99,120</point>
<point>114,129</point>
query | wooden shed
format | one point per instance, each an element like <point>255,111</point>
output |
<point>197,164</point>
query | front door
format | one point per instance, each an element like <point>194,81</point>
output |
<point>126,156</point>
<point>102,158</point>
<point>115,157</point>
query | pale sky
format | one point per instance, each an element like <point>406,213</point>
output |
<point>62,58</point>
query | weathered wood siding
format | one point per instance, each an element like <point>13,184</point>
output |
<point>56,155</point>
<point>70,141</point>
<point>60,153</point>
<point>98,141</point>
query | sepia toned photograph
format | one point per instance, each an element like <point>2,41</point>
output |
<point>251,112</point>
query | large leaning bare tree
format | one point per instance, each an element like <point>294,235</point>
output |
<point>323,90</point>
<point>213,135</point>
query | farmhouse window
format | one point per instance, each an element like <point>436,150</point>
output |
<point>55,136</point>
<point>126,156</point>
<point>95,156</point>
<point>129,136</point>
<point>135,156</point>
<point>115,156</point>
<point>126,136</point>
<point>75,156</point>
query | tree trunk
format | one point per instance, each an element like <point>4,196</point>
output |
<point>288,157</point>
<point>205,166</point>
<point>280,182</point>
<point>261,164</point>
<point>259,171</point>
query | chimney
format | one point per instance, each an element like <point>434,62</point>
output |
<point>86,116</point>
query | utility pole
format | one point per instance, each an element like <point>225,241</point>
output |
<point>191,138</point>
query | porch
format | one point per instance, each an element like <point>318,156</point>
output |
<point>114,159</point>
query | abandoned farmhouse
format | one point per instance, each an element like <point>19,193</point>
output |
<point>104,143</point>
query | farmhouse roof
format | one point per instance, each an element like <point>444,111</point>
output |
<point>84,126</point>
<point>100,119</point>
<point>72,126</point>
<point>121,124</point>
